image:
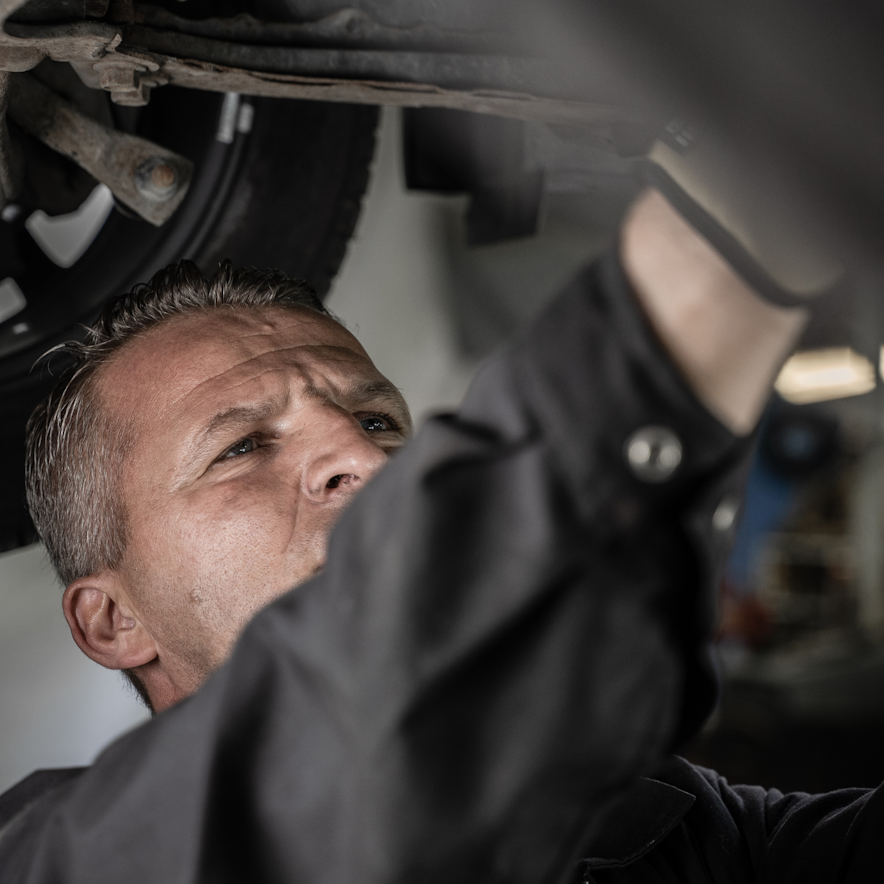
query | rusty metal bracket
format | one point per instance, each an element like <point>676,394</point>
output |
<point>149,179</point>
<point>78,41</point>
<point>521,106</point>
<point>343,58</point>
<point>101,56</point>
<point>91,49</point>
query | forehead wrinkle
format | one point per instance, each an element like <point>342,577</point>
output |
<point>359,390</point>
<point>245,321</point>
<point>231,389</point>
<point>258,356</point>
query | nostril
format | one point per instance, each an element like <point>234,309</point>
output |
<point>342,479</point>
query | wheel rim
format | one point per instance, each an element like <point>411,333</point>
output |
<point>125,250</point>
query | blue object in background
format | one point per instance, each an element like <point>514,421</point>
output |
<point>769,498</point>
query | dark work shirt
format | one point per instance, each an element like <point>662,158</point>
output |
<point>687,825</point>
<point>512,626</point>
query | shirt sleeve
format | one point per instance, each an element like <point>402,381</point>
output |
<point>741,834</point>
<point>796,838</point>
<point>511,626</point>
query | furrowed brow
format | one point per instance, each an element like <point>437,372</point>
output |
<point>237,415</point>
<point>362,391</point>
<point>223,422</point>
<point>375,390</point>
<point>372,392</point>
<point>380,390</point>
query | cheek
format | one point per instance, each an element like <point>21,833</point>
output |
<point>253,518</point>
<point>217,524</point>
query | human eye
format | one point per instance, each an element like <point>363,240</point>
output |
<point>244,446</point>
<point>378,423</point>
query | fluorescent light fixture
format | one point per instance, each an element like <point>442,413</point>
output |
<point>819,375</point>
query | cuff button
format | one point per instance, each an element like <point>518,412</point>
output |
<point>653,453</point>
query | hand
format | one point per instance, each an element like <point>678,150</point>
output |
<point>752,224</point>
<point>728,343</point>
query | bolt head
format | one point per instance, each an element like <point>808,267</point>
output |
<point>162,177</point>
<point>156,179</point>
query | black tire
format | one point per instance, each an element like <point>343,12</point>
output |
<point>298,192</point>
<point>286,194</point>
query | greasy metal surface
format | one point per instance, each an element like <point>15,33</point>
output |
<point>111,157</point>
<point>218,78</point>
<point>482,84</point>
<point>443,69</point>
<point>344,29</point>
<point>61,10</point>
<point>77,41</point>
<point>473,15</point>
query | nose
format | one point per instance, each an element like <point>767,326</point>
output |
<point>343,460</point>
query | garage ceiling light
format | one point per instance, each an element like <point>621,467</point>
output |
<point>818,375</point>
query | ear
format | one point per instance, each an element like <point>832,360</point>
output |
<point>104,624</point>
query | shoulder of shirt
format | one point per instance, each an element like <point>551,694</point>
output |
<point>33,788</point>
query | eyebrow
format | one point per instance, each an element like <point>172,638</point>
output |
<point>374,390</point>
<point>223,422</point>
<point>359,391</point>
<point>237,415</point>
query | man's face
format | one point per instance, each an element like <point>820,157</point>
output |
<point>250,434</point>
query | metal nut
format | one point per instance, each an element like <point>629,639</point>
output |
<point>118,77</point>
<point>653,453</point>
<point>156,179</point>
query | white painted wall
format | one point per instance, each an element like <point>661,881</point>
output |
<point>391,291</point>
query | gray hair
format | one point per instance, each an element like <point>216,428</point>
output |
<point>75,450</point>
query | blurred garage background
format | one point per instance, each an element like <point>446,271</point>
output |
<point>801,638</point>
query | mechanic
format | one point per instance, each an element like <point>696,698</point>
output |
<point>510,623</point>
<point>255,424</point>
